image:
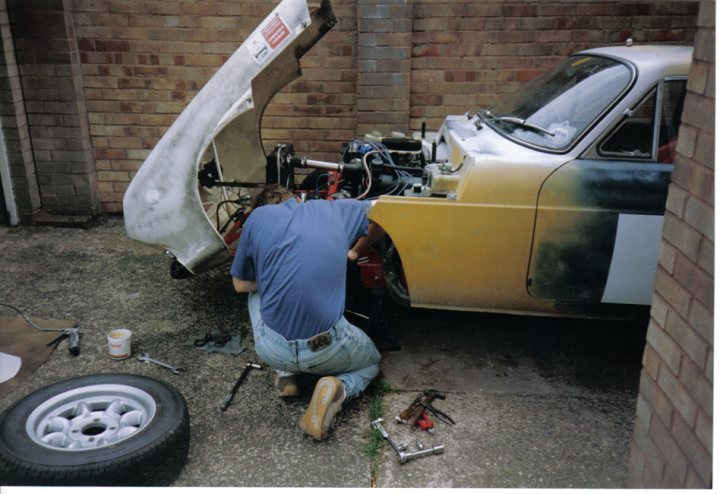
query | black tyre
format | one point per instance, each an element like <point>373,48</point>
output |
<point>394,275</point>
<point>101,430</point>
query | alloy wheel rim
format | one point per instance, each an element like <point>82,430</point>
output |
<point>91,417</point>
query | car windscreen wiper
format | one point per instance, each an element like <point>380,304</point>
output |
<point>488,116</point>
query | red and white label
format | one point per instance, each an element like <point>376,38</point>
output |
<point>275,32</point>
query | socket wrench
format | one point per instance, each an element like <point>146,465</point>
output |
<point>231,395</point>
<point>403,456</point>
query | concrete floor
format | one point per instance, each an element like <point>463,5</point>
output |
<point>538,402</point>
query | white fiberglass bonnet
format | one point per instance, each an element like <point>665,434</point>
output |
<point>162,206</point>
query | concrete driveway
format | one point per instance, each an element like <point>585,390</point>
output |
<point>538,402</point>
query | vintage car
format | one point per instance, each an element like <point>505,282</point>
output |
<point>550,201</point>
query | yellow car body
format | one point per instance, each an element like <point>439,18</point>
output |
<point>550,203</point>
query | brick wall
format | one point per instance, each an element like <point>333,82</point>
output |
<point>467,54</point>
<point>384,65</point>
<point>387,65</point>
<point>13,121</point>
<point>672,441</point>
<point>53,93</point>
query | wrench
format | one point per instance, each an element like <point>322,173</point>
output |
<point>231,395</point>
<point>404,457</point>
<point>147,358</point>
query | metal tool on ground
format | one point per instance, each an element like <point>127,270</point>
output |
<point>425,423</point>
<point>229,398</point>
<point>72,333</point>
<point>422,404</point>
<point>74,340</point>
<point>147,358</point>
<point>403,456</point>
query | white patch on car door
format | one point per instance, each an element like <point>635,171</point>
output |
<point>631,278</point>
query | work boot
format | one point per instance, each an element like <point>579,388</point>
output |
<point>286,384</point>
<point>326,402</point>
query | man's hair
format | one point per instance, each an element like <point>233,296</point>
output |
<point>272,194</point>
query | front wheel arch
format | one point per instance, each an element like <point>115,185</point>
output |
<point>395,282</point>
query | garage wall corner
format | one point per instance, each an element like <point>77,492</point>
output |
<point>672,440</point>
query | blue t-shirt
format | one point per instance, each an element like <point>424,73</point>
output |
<point>297,253</point>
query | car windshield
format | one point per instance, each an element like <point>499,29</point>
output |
<point>553,110</point>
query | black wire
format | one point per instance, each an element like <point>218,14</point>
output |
<point>28,320</point>
<point>458,168</point>
<point>317,181</point>
<point>217,211</point>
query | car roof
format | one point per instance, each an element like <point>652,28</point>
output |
<point>663,60</point>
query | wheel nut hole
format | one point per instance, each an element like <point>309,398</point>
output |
<point>94,430</point>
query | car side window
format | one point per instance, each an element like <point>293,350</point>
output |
<point>673,98</point>
<point>649,130</point>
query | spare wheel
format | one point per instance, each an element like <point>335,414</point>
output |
<point>101,430</point>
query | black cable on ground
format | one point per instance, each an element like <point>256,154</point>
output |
<point>28,320</point>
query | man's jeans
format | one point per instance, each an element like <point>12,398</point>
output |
<point>350,356</point>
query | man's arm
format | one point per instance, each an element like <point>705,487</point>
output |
<point>244,286</point>
<point>375,233</point>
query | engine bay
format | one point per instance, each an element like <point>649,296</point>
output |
<point>367,169</point>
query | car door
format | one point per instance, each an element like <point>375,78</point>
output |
<point>599,217</point>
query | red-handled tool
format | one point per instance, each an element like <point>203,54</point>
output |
<point>425,423</point>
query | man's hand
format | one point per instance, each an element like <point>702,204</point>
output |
<point>354,253</point>
<point>375,233</point>
<point>244,286</point>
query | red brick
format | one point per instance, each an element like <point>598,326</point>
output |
<point>665,347</point>
<point>705,150</point>
<point>675,460</point>
<point>677,395</point>
<point>659,309</point>
<point>695,280</point>
<point>677,197</point>
<point>666,258</point>
<point>701,319</point>
<point>698,456</point>
<point>682,236</point>
<point>651,362</point>
<point>693,480</point>
<point>686,141</point>
<point>699,112</point>
<point>659,403</point>
<point>698,77</point>
<point>704,47</point>
<point>672,292</point>
<point>691,376</point>
<point>672,481</point>
<point>694,177</point>
<point>690,342</point>
<point>704,430</point>
<point>113,176</point>
<point>649,480</point>
<point>651,455</point>
<point>666,35</point>
<point>110,153</point>
<point>706,259</point>
<point>701,217</point>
